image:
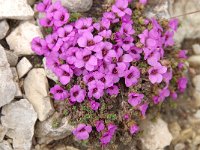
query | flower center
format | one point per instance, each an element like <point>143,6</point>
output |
<point>104,52</point>
<point>103,80</point>
<point>130,75</point>
<point>75,94</point>
<point>94,90</point>
<point>59,91</point>
<point>86,58</point>
<point>114,71</point>
<point>90,79</point>
<point>155,71</point>
<point>90,43</point>
<point>62,18</point>
<point>66,73</point>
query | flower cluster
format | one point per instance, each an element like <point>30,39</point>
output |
<point>93,59</point>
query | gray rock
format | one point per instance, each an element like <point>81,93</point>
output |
<point>49,73</point>
<point>36,90</point>
<point>196,82</point>
<point>15,9</point>
<point>31,2</point>
<point>179,146</point>
<point>156,134</point>
<point>175,130</point>
<point>12,58</point>
<point>45,133</point>
<point>157,8</point>
<point>20,117</point>
<point>197,114</point>
<point>4,27</point>
<point>196,49</point>
<point>189,23</point>
<point>77,5</point>
<point>7,86</point>
<point>19,40</point>
<point>18,94</point>
<point>23,67</point>
<point>3,131</point>
<point>5,145</point>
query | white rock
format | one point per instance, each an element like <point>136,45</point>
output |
<point>156,135</point>
<point>189,23</point>
<point>7,85</point>
<point>19,40</point>
<point>36,90</point>
<point>194,60</point>
<point>179,146</point>
<point>5,145</point>
<point>196,95</point>
<point>49,73</point>
<point>77,5</point>
<point>15,9</point>
<point>196,49</point>
<point>196,82</point>
<point>4,27</point>
<point>157,8</point>
<point>197,114</point>
<point>20,117</point>
<point>45,133</point>
<point>12,58</point>
<point>3,131</point>
<point>23,67</point>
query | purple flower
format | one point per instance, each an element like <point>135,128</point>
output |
<point>77,94</point>
<point>143,2</point>
<point>143,36</point>
<point>94,105</point>
<point>134,129</point>
<point>52,9</point>
<point>168,38</point>
<point>143,109</point>
<point>113,90</point>
<point>107,80</point>
<point>82,131</point>
<point>173,95</point>
<point>95,89</point>
<point>182,84</point>
<point>65,73</point>
<point>127,29</point>
<point>42,6</point>
<point>84,25</point>
<point>117,71</point>
<point>87,40</point>
<point>46,22</point>
<point>121,8</point>
<point>61,17</point>
<point>126,117</point>
<point>182,54</point>
<point>151,56</point>
<point>59,93</point>
<point>173,24</point>
<point>84,58</point>
<point>135,53</point>
<point>99,125</point>
<point>156,73</point>
<point>54,42</point>
<point>38,45</point>
<point>135,99</point>
<point>66,33</point>
<point>111,17</point>
<point>106,138</point>
<point>131,76</point>
<point>105,53</point>
<point>164,93</point>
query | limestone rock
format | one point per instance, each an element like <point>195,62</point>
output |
<point>15,9</point>
<point>5,145</point>
<point>49,73</point>
<point>156,134</point>
<point>194,60</point>
<point>196,49</point>
<point>12,58</point>
<point>36,90</point>
<point>157,8</point>
<point>7,85</point>
<point>31,2</point>
<point>23,67</point>
<point>19,40</point>
<point>4,27</point>
<point>77,5</point>
<point>45,133</point>
<point>19,117</point>
<point>196,82</point>
<point>3,131</point>
<point>189,23</point>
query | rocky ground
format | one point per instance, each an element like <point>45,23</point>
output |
<point>27,115</point>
